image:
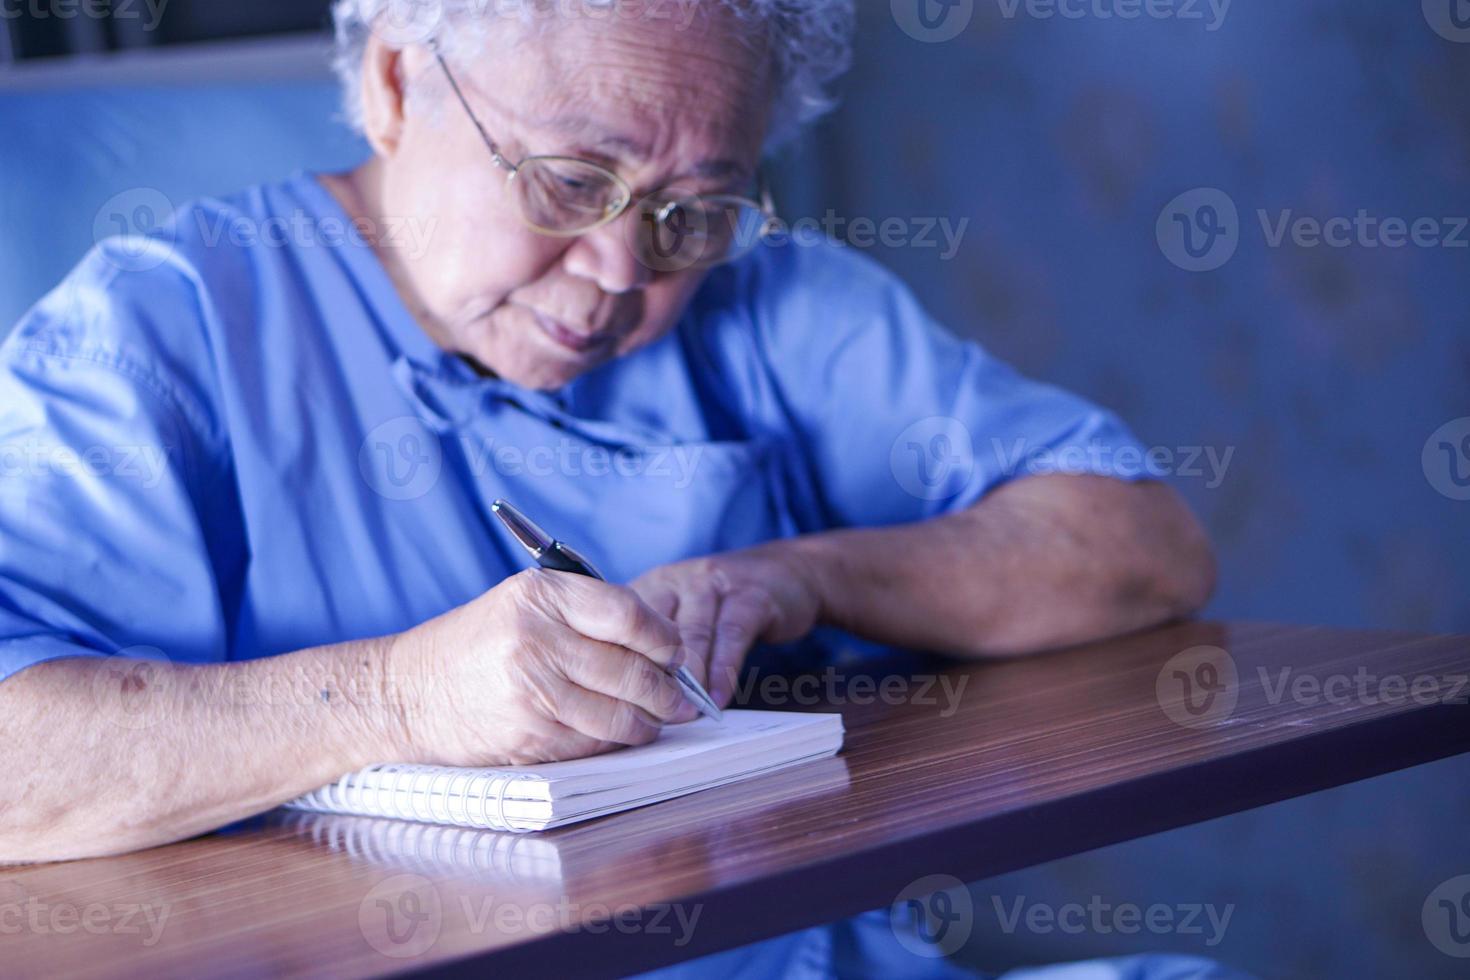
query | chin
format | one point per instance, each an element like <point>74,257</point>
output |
<point>540,373</point>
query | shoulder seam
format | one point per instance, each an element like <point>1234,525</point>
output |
<point>119,363</point>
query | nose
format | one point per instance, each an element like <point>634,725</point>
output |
<point>609,256</point>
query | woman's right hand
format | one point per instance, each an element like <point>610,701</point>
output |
<point>545,666</point>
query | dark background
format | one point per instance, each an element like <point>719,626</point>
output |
<point>30,35</point>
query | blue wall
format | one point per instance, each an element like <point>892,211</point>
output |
<point>1325,369</point>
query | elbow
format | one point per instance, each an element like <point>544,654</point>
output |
<point>1185,573</point>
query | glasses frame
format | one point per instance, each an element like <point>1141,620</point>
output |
<point>765,206</point>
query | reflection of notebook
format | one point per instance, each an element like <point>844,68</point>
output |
<point>513,858</point>
<point>686,759</point>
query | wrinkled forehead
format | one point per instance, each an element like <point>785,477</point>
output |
<point>640,90</point>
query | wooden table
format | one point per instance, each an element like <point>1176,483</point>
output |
<point>1037,759</point>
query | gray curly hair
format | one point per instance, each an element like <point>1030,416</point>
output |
<point>809,41</point>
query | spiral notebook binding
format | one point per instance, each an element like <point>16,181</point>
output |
<point>429,796</point>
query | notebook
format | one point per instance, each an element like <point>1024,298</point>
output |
<point>522,859</point>
<point>685,759</point>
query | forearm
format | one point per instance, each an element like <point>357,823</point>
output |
<point>1040,563</point>
<point>99,757</point>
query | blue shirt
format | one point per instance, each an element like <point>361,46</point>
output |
<point>231,440</point>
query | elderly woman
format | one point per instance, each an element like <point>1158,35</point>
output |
<point>763,437</point>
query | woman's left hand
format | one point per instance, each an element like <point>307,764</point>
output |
<point>725,604</point>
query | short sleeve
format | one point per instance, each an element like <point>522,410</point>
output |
<point>115,507</point>
<point>898,419</point>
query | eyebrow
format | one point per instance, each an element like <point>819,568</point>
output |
<point>581,129</point>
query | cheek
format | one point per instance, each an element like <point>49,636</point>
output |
<point>664,302</point>
<point>462,235</point>
<point>475,259</point>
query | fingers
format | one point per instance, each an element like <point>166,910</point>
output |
<point>605,718</point>
<point>554,743</point>
<point>620,674</point>
<point>695,616</point>
<point>743,618</point>
<point>609,613</point>
<point>660,598</point>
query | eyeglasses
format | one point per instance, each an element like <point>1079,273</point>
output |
<point>565,197</point>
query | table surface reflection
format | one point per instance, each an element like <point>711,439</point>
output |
<point>1032,760</point>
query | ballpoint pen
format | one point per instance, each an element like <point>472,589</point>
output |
<point>558,557</point>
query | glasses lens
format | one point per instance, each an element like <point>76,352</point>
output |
<point>736,226</point>
<point>699,231</point>
<point>565,196</point>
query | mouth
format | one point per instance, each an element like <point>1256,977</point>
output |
<point>564,336</point>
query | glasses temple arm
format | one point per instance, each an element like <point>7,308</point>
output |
<point>500,161</point>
